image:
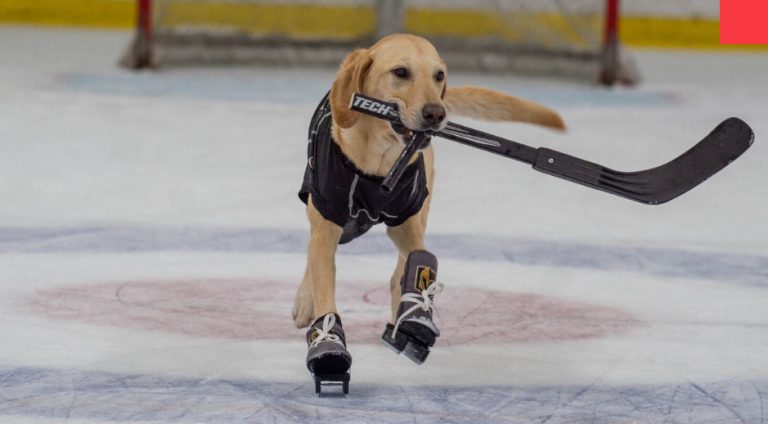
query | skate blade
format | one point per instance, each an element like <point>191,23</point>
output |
<point>331,380</point>
<point>416,352</point>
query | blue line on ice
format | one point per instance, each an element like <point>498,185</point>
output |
<point>750,270</point>
<point>74,395</point>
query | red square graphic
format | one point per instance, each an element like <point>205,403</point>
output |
<point>743,21</point>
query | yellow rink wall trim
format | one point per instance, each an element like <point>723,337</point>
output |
<point>84,13</point>
<point>296,21</point>
<point>344,22</point>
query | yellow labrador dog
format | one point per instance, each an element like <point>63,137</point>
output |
<point>349,153</point>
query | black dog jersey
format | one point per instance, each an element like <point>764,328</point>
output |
<point>345,195</point>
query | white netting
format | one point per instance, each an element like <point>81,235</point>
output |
<point>545,24</point>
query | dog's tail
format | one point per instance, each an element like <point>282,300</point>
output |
<point>489,105</point>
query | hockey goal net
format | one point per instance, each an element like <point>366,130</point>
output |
<point>568,38</point>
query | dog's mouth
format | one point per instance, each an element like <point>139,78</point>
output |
<point>406,132</point>
<point>403,131</point>
<point>399,126</point>
<point>435,127</point>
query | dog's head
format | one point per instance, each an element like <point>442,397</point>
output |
<point>402,69</point>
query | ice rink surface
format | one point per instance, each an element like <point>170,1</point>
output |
<point>151,241</point>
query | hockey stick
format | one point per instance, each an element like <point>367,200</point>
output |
<point>419,141</point>
<point>651,186</point>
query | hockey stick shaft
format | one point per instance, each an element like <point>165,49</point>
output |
<point>489,142</point>
<point>452,131</point>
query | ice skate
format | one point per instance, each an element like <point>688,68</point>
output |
<point>327,357</point>
<point>414,333</point>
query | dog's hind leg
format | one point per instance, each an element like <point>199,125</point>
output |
<point>303,306</point>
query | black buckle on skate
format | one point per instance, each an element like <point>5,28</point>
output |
<point>331,380</point>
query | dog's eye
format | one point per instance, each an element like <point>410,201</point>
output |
<point>400,72</point>
<point>439,76</point>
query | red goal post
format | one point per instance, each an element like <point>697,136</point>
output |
<point>565,38</point>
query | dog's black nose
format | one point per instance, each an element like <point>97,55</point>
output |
<point>433,113</point>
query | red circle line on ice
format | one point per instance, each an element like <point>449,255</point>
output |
<point>254,309</point>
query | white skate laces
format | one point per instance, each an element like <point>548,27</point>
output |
<point>424,301</point>
<point>324,333</point>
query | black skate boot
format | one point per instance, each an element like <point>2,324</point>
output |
<point>327,358</point>
<point>414,332</point>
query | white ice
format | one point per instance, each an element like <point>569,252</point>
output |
<point>108,176</point>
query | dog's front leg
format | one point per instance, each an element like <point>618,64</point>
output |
<point>323,241</point>
<point>327,355</point>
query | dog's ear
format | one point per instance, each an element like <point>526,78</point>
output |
<point>349,80</point>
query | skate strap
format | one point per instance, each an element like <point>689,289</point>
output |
<point>324,333</point>
<point>424,301</point>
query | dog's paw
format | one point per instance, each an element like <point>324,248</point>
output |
<point>303,308</point>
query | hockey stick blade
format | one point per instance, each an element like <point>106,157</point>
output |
<point>661,184</point>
